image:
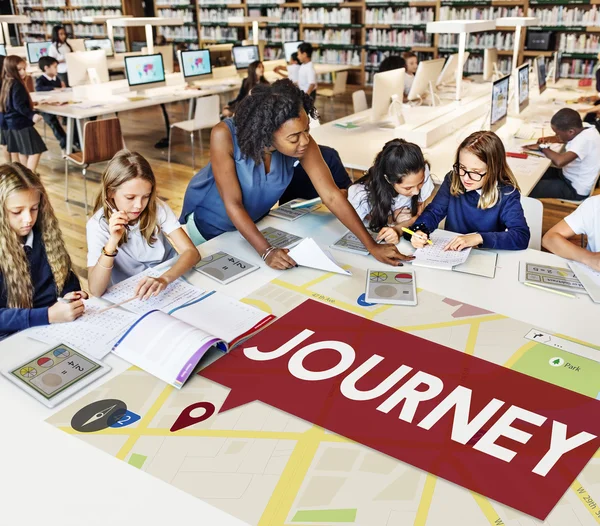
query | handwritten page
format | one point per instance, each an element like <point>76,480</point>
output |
<point>93,333</point>
<point>308,254</point>
<point>176,294</point>
<point>435,256</point>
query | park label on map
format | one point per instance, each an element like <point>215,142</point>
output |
<point>508,436</point>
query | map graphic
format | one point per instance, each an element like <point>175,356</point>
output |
<point>269,468</point>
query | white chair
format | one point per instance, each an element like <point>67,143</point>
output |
<point>359,101</point>
<point>534,214</point>
<point>339,88</point>
<point>167,55</point>
<point>207,115</point>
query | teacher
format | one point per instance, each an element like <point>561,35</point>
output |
<point>252,163</point>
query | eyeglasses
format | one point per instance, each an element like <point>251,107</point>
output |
<point>474,176</point>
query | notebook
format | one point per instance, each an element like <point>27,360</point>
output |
<point>170,345</point>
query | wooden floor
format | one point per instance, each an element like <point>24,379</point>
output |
<point>142,129</point>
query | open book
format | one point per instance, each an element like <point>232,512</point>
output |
<point>170,345</point>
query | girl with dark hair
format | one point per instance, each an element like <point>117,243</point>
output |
<point>58,49</point>
<point>392,193</point>
<point>256,72</point>
<point>5,154</point>
<point>252,163</point>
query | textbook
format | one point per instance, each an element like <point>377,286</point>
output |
<point>170,345</point>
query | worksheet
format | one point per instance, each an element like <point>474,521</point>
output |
<point>350,243</point>
<point>223,267</point>
<point>288,213</point>
<point>436,257</point>
<point>309,254</point>
<point>552,277</point>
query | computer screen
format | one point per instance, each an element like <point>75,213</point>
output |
<point>541,73</point>
<point>243,56</point>
<point>557,59</point>
<point>291,47</point>
<point>35,50</point>
<point>2,49</point>
<point>195,63</point>
<point>99,43</point>
<point>499,109</point>
<point>144,69</point>
<point>523,87</point>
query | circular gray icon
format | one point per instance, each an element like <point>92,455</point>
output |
<point>98,415</point>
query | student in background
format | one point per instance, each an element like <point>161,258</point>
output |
<point>35,268</point>
<point>307,76</point>
<point>256,72</point>
<point>390,63</point>
<point>575,170</point>
<point>292,69</point>
<point>412,63</point>
<point>5,154</point>
<point>479,198</point>
<point>128,231</point>
<point>585,220</point>
<point>392,193</point>
<point>59,49</point>
<point>18,115</point>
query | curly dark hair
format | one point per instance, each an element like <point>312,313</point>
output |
<point>264,111</point>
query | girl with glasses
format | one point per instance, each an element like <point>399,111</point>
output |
<point>392,194</point>
<point>479,199</point>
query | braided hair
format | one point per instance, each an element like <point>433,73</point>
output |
<point>264,111</point>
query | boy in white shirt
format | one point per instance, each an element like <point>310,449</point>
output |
<point>575,170</point>
<point>584,220</point>
<point>292,69</point>
<point>307,76</point>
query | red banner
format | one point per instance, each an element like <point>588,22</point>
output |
<point>500,433</point>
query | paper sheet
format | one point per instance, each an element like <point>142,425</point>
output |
<point>92,333</point>
<point>308,254</point>
<point>435,255</point>
<point>589,278</point>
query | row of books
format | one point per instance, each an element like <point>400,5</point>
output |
<point>579,43</point>
<point>402,15</point>
<point>562,15</point>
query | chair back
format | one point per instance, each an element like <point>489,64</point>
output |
<point>167,55</point>
<point>359,101</point>
<point>534,214</point>
<point>102,139</point>
<point>208,112</point>
<point>339,85</point>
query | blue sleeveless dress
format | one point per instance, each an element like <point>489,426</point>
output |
<point>260,191</point>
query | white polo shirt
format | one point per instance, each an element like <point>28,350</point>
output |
<point>583,171</point>
<point>306,76</point>
<point>136,255</point>
<point>586,220</point>
<point>293,72</point>
<point>58,52</point>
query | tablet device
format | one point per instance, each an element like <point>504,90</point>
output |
<point>224,268</point>
<point>350,243</point>
<point>54,375</point>
<point>391,287</point>
<point>279,238</point>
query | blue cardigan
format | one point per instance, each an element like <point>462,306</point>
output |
<point>18,114</point>
<point>44,293</point>
<point>502,227</point>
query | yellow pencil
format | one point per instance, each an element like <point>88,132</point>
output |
<point>566,294</point>
<point>408,231</point>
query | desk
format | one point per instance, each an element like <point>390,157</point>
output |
<point>36,458</point>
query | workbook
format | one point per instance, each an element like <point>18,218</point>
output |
<point>433,255</point>
<point>170,345</point>
<point>557,278</point>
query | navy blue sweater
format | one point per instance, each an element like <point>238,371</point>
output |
<point>44,293</point>
<point>44,84</point>
<point>502,227</point>
<point>18,114</point>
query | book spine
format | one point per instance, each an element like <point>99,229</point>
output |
<point>251,332</point>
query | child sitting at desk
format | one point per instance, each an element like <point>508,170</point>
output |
<point>392,193</point>
<point>575,170</point>
<point>479,198</point>
<point>127,233</point>
<point>292,69</point>
<point>585,220</point>
<point>412,63</point>
<point>35,268</point>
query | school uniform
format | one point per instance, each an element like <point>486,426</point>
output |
<point>46,83</point>
<point>136,255</point>
<point>307,76</point>
<point>586,220</point>
<point>20,134</point>
<point>58,51</point>
<point>44,290</point>
<point>502,226</point>
<point>575,180</point>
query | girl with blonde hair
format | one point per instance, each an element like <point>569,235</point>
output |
<point>35,268</point>
<point>479,198</point>
<point>128,231</point>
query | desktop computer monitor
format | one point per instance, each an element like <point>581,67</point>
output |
<point>243,56</point>
<point>91,44</point>
<point>490,61</point>
<point>388,87</point>
<point>499,107</point>
<point>82,65</point>
<point>557,59</point>
<point>541,73</point>
<point>291,47</point>
<point>35,50</point>
<point>3,49</point>
<point>522,87</point>
<point>145,70</point>
<point>448,74</point>
<point>427,73</point>
<point>195,64</point>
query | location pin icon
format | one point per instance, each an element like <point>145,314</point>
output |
<point>185,419</point>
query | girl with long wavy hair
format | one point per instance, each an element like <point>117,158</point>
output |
<point>35,268</point>
<point>479,198</point>
<point>392,193</point>
<point>128,232</point>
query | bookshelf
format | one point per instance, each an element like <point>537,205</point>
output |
<point>187,33</point>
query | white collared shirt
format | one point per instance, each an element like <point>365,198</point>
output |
<point>52,79</point>
<point>29,240</point>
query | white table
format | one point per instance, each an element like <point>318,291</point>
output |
<point>37,459</point>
